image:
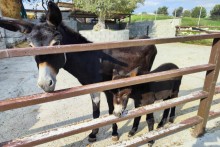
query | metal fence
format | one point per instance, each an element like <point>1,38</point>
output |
<point>196,30</point>
<point>199,121</point>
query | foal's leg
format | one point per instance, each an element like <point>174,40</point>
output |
<point>172,113</point>
<point>96,113</point>
<point>165,116</point>
<point>109,97</point>
<point>135,126</point>
<point>150,122</point>
<point>136,121</point>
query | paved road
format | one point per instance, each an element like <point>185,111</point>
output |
<point>18,77</point>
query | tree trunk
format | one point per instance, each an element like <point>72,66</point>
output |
<point>11,8</point>
<point>101,23</point>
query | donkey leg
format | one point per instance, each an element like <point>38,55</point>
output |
<point>173,109</point>
<point>150,122</point>
<point>96,113</point>
<point>165,115</point>
<point>172,115</point>
<point>135,126</point>
<point>109,96</point>
<point>136,121</point>
<point>164,118</point>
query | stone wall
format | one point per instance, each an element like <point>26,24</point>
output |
<point>13,38</point>
<point>105,35</point>
<point>157,28</point>
<point>110,26</point>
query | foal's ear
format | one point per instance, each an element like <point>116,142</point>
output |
<point>16,25</point>
<point>133,73</point>
<point>54,16</point>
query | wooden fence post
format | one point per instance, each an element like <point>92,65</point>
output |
<point>209,86</point>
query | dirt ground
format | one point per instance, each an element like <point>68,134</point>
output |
<point>18,77</point>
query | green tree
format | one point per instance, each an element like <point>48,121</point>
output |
<point>196,11</point>
<point>105,8</point>
<point>215,12</point>
<point>162,10</point>
<point>178,12</point>
<point>187,13</point>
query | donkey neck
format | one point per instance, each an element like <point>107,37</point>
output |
<point>85,66</point>
<point>70,36</point>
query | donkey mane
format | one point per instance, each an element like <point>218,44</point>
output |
<point>70,36</point>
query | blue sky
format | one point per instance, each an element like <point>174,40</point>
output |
<point>151,5</point>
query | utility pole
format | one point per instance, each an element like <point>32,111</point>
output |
<point>155,15</point>
<point>200,15</point>
<point>175,13</point>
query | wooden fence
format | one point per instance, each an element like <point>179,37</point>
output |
<point>199,121</point>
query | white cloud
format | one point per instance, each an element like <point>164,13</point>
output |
<point>151,3</point>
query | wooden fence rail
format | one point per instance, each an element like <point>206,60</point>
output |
<point>205,96</point>
<point>65,131</point>
<point>24,101</point>
<point>98,46</point>
<point>57,133</point>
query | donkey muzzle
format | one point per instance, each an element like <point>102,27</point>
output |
<point>47,78</point>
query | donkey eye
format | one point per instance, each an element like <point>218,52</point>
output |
<point>56,43</point>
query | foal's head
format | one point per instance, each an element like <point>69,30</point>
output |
<point>121,95</point>
<point>42,34</point>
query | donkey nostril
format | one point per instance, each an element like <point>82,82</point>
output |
<point>51,83</point>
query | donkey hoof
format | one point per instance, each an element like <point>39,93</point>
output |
<point>171,120</point>
<point>91,139</point>
<point>130,134</point>
<point>150,143</point>
<point>115,138</point>
<point>160,125</point>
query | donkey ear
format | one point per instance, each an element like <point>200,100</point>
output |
<point>16,25</point>
<point>133,73</point>
<point>54,16</point>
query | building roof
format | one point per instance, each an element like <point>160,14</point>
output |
<point>78,13</point>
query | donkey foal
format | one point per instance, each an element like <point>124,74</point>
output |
<point>145,94</point>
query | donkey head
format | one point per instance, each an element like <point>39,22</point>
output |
<point>42,34</point>
<point>121,95</point>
